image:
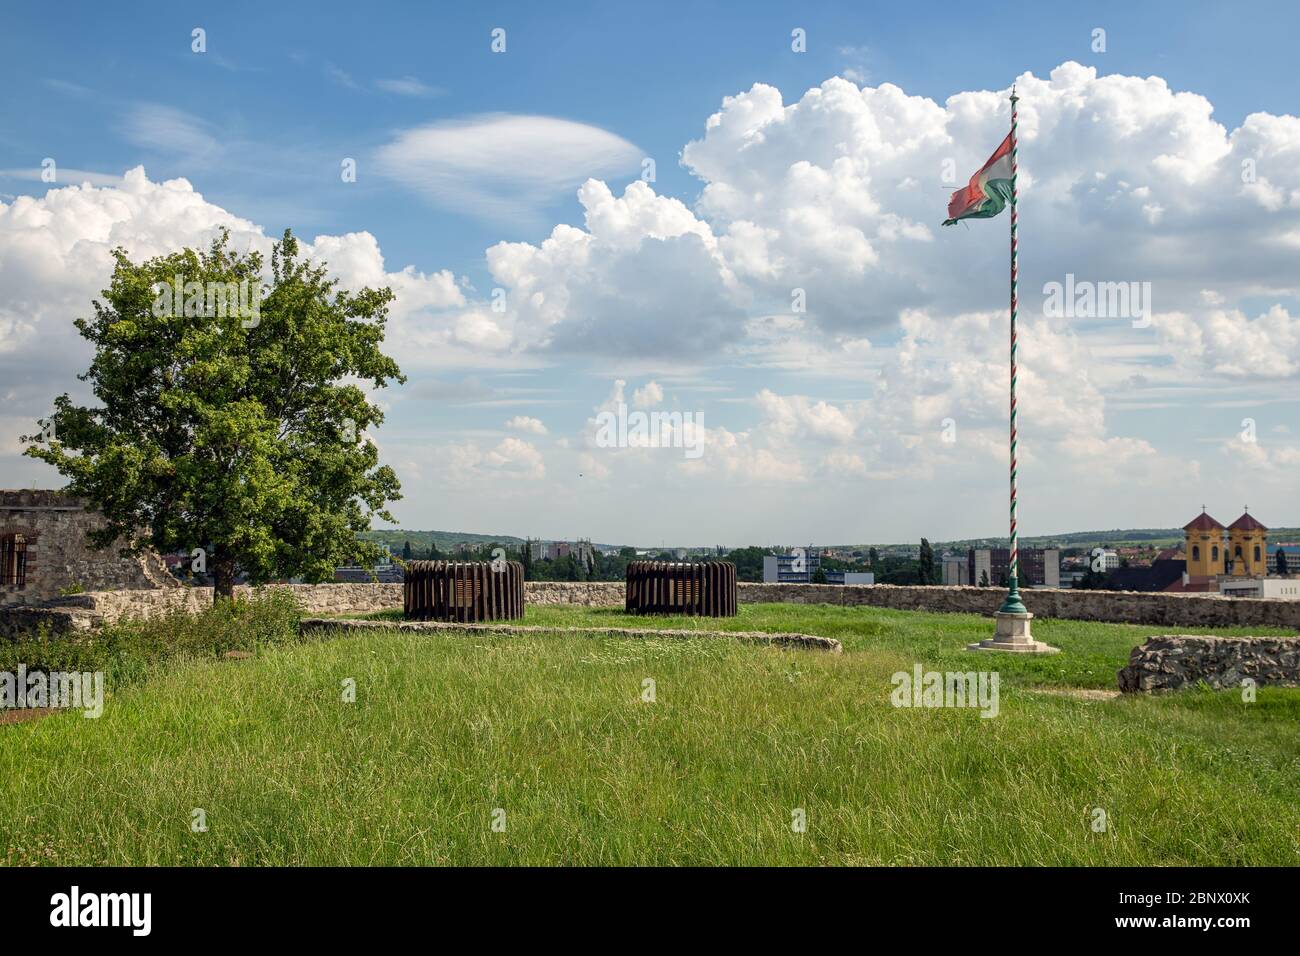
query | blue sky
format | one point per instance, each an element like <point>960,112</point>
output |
<point>273,74</point>
<point>259,123</point>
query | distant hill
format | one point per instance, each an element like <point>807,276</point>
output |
<point>1118,537</point>
<point>447,541</point>
<point>444,541</point>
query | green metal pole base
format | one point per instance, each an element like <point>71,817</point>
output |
<point>1014,629</point>
<point>1013,604</point>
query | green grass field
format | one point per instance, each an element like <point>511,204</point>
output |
<point>447,730</point>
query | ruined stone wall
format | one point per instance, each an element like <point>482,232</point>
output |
<point>1173,661</point>
<point>585,593</point>
<point>312,598</point>
<point>316,599</point>
<point>1123,607</point>
<point>58,557</point>
<point>1127,607</point>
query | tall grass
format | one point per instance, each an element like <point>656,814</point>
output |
<point>130,649</point>
<point>554,729</point>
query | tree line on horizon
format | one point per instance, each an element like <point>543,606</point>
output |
<point>921,570</point>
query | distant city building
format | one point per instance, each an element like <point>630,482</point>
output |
<point>1234,560</point>
<point>1247,547</point>
<point>797,567</point>
<point>850,577</point>
<point>1133,556</point>
<point>581,550</point>
<point>1039,567</point>
<point>1291,554</point>
<point>956,570</point>
<point>802,564</point>
<point>1159,575</point>
<point>1287,589</point>
<point>1109,559</point>
<point>380,573</point>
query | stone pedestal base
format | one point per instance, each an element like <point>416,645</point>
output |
<point>1013,634</point>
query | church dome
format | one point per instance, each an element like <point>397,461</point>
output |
<point>1203,522</point>
<point>1246,523</point>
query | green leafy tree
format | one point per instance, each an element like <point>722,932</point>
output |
<point>1092,580</point>
<point>984,578</point>
<point>748,562</point>
<point>1281,561</point>
<point>406,551</point>
<point>566,568</point>
<point>243,437</point>
<point>819,576</point>
<point>873,556</point>
<point>925,564</point>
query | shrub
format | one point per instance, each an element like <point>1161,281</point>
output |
<point>128,649</point>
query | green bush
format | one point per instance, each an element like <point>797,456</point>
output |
<point>128,649</point>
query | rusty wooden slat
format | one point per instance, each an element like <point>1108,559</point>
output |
<point>703,588</point>
<point>464,591</point>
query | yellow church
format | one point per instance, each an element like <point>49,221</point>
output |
<point>1214,552</point>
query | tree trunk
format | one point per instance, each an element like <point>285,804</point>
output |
<point>223,574</point>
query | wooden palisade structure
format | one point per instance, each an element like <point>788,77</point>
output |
<point>704,588</point>
<point>464,591</point>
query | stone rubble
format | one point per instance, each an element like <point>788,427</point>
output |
<point>1173,661</point>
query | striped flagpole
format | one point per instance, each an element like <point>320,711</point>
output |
<point>1013,604</point>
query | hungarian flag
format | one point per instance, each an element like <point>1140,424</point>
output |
<point>988,192</point>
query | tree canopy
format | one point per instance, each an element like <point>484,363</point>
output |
<point>240,434</point>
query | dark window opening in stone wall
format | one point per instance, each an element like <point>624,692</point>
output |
<point>13,560</point>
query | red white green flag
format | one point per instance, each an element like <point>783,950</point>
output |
<point>988,192</point>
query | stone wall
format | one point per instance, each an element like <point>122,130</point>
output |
<point>21,621</point>
<point>586,593</point>
<point>1163,610</point>
<point>58,556</point>
<point>313,598</point>
<point>1123,607</point>
<point>1173,661</point>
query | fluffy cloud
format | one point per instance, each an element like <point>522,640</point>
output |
<point>469,464</point>
<point>832,199</point>
<point>499,166</point>
<point>651,393</point>
<point>1227,343</point>
<point>1122,179</point>
<point>646,277</point>
<point>56,256</point>
<point>524,423</point>
<point>797,415</point>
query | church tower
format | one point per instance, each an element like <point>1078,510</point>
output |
<point>1247,548</point>
<point>1204,547</point>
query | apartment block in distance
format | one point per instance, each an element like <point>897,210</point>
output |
<point>1039,567</point>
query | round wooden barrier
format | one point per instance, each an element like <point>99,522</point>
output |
<point>465,591</point>
<point>704,588</point>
